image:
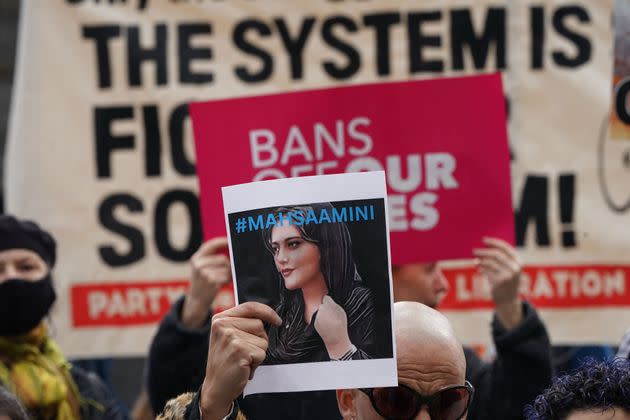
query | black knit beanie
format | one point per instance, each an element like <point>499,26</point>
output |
<point>16,234</point>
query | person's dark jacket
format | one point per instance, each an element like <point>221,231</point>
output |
<point>177,361</point>
<point>100,403</point>
<point>522,369</point>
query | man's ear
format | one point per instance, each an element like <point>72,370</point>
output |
<point>345,401</point>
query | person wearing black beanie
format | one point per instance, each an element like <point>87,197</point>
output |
<point>27,254</point>
<point>17,234</point>
<point>31,364</point>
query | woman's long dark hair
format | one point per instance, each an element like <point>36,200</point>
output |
<point>335,248</point>
<point>336,264</point>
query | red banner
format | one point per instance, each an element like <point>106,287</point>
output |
<point>442,143</point>
<point>140,303</point>
<point>118,304</point>
<point>546,287</point>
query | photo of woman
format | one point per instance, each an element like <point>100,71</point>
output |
<point>328,313</point>
<point>316,251</point>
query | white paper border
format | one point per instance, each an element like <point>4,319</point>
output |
<point>323,375</point>
<point>302,190</point>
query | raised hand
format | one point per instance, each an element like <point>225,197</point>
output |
<point>502,266</point>
<point>210,269</point>
<point>238,345</point>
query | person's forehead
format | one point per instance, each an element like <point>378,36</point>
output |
<point>429,360</point>
<point>416,268</point>
<point>428,375</point>
<point>280,233</point>
<point>19,254</point>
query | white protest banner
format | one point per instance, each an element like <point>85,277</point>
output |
<point>573,240</point>
<point>304,255</point>
<point>100,149</point>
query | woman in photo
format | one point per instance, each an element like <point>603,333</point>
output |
<point>326,311</point>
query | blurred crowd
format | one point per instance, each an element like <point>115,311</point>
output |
<point>199,362</point>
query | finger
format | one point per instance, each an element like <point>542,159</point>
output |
<point>216,275</point>
<point>494,273</point>
<point>504,246</point>
<point>507,264</point>
<point>327,300</point>
<point>510,264</point>
<point>491,276</point>
<point>212,246</point>
<point>492,266</point>
<point>253,310</point>
<point>216,269</point>
<point>211,261</point>
<point>249,354</point>
<point>246,340</point>
<point>233,335</point>
<point>489,253</point>
<point>515,267</point>
<point>257,357</point>
<point>250,326</point>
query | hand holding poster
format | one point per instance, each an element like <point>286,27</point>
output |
<point>445,193</point>
<point>316,249</point>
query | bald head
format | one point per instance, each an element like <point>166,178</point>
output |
<point>429,358</point>
<point>419,326</point>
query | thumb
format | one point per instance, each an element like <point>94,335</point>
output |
<point>489,276</point>
<point>327,300</point>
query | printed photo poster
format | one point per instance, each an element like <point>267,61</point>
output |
<point>316,249</point>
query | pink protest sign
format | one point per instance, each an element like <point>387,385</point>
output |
<point>442,143</point>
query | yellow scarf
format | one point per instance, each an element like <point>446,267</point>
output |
<point>33,368</point>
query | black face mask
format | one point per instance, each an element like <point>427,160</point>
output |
<point>24,303</point>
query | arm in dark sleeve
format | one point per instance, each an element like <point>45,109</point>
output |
<point>100,403</point>
<point>521,370</point>
<point>177,358</point>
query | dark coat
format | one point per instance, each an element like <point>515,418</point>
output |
<point>92,388</point>
<point>177,360</point>
<point>521,370</point>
